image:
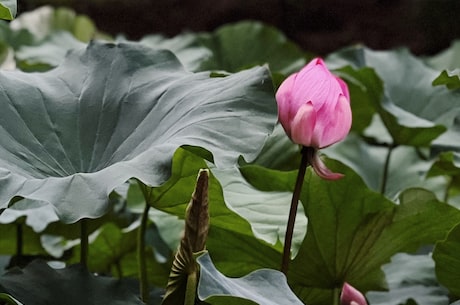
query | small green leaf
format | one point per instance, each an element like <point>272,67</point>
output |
<point>447,163</point>
<point>265,287</point>
<point>451,79</point>
<point>8,9</point>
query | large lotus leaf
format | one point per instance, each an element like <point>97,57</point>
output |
<point>362,244</point>
<point>265,286</point>
<point>447,259</point>
<point>115,111</point>
<point>249,43</point>
<point>407,167</point>
<point>447,59</point>
<point>185,46</point>
<point>365,89</point>
<point>9,299</point>
<point>410,277</point>
<point>37,215</point>
<point>352,231</point>
<point>8,9</point>
<point>279,152</point>
<point>414,112</point>
<point>44,20</point>
<point>230,241</point>
<point>39,284</point>
<point>49,53</point>
<point>267,213</point>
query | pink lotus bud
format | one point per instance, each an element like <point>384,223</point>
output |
<point>351,296</point>
<point>314,106</point>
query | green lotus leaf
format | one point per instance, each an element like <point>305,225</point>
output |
<point>8,9</point>
<point>352,231</point>
<point>447,260</point>
<point>367,232</point>
<point>231,241</point>
<point>279,152</point>
<point>38,283</point>
<point>111,112</point>
<point>248,43</point>
<point>446,59</point>
<point>9,299</point>
<point>265,286</point>
<point>45,20</point>
<point>185,46</point>
<point>407,167</point>
<point>414,112</point>
<point>266,213</point>
<point>49,53</point>
<point>410,277</point>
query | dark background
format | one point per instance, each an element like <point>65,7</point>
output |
<point>320,26</point>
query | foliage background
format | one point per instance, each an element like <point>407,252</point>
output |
<point>388,122</point>
<point>320,26</point>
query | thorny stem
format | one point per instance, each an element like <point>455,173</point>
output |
<point>142,260</point>
<point>307,154</point>
<point>386,169</point>
<point>84,244</point>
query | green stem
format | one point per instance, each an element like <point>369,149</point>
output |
<point>307,153</point>
<point>84,243</point>
<point>386,169</point>
<point>449,185</point>
<point>119,269</point>
<point>142,259</point>
<point>19,240</point>
<point>336,296</point>
<point>190,290</point>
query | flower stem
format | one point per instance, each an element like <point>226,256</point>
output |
<point>190,290</point>
<point>307,154</point>
<point>84,243</point>
<point>449,186</point>
<point>142,260</point>
<point>386,169</point>
<point>336,296</point>
<point>19,240</point>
